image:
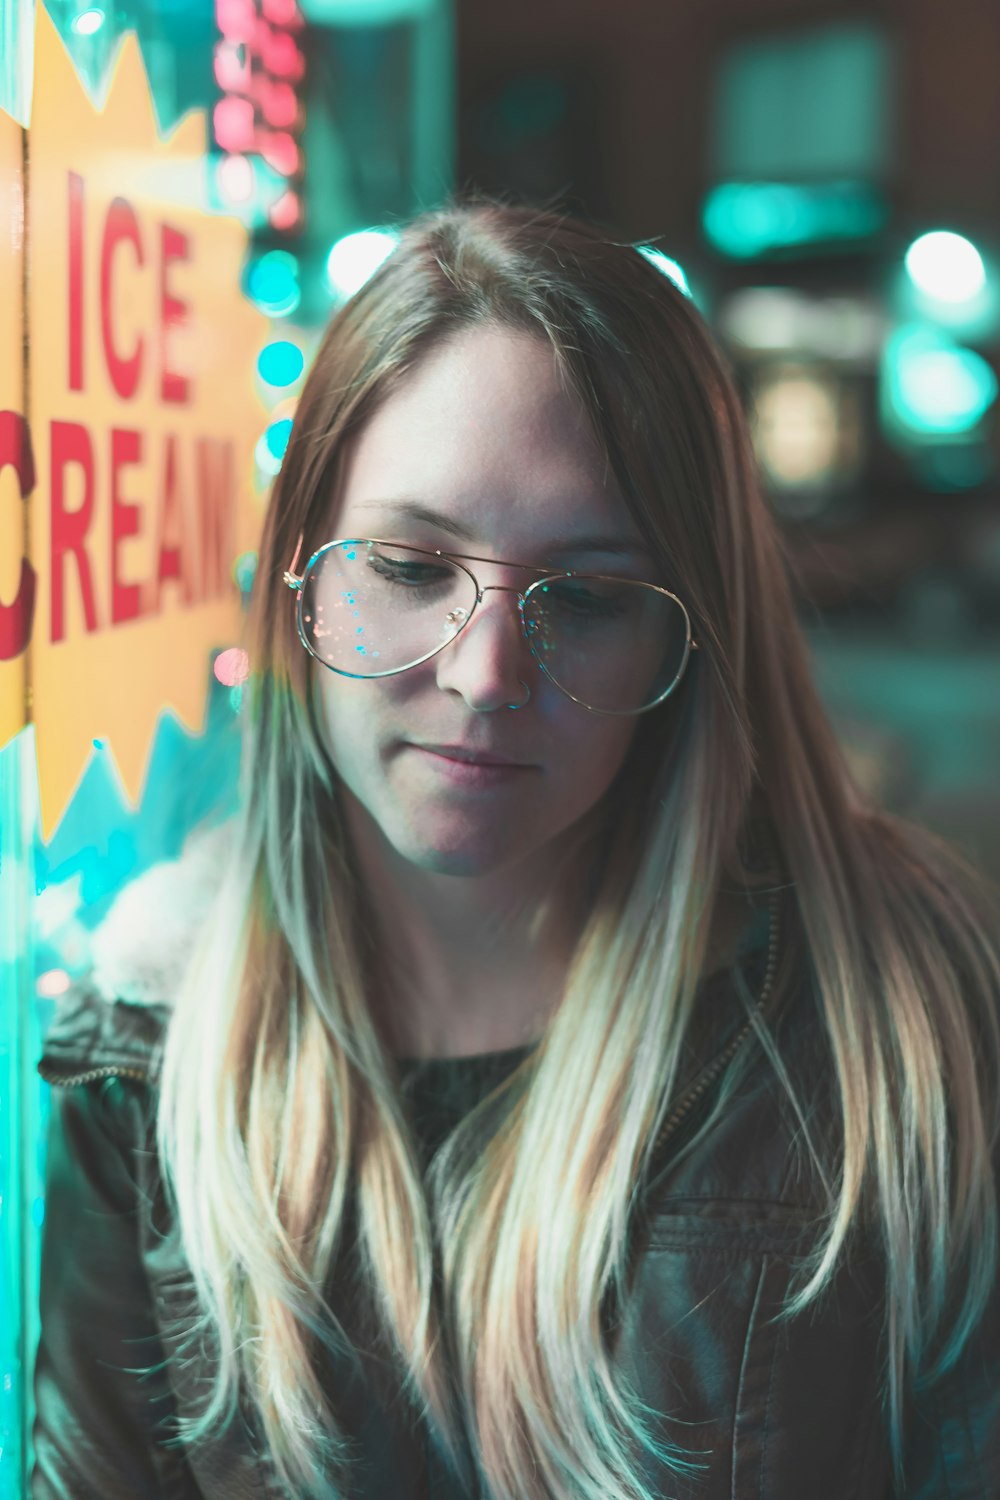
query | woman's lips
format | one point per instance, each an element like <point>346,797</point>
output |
<point>470,773</point>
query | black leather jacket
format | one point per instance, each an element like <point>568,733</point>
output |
<point>786,1412</point>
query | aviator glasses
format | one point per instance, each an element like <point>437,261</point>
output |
<point>368,607</point>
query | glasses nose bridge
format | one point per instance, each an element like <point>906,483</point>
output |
<point>497,588</point>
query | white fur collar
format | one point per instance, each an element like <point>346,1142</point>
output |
<point>140,949</point>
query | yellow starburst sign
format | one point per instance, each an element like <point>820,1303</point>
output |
<point>143,421</point>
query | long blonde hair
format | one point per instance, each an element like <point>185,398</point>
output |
<point>281,1118</point>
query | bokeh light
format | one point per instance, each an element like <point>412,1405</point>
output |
<point>88,21</point>
<point>356,257</point>
<point>231,667</point>
<point>273,283</point>
<point>52,983</point>
<point>946,266</point>
<point>277,436</point>
<point>935,386</point>
<point>667,265</point>
<point>746,219</point>
<point>244,571</point>
<point>280,363</point>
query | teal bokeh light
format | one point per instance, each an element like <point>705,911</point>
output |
<point>273,283</point>
<point>245,570</point>
<point>945,266</point>
<point>276,437</point>
<point>667,265</point>
<point>743,220</point>
<point>280,363</point>
<point>356,257</point>
<point>935,388</point>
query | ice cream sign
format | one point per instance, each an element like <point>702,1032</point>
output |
<point>133,448</point>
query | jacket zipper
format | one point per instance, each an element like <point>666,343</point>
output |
<point>715,1067</point>
<point>109,1071</point>
<point>712,1071</point>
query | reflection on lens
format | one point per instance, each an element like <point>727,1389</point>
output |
<point>369,609</point>
<point>615,645</point>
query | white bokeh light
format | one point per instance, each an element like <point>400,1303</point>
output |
<point>946,266</point>
<point>356,257</point>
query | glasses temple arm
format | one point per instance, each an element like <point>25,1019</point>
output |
<point>289,576</point>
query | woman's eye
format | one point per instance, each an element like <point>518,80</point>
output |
<point>581,602</point>
<point>405,572</point>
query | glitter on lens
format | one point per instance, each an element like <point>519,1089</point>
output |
<point>232,667</point>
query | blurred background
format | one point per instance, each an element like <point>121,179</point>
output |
<point>818,177</point>
<point>821,174</point>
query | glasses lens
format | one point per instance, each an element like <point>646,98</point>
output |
<point>371,607</point>
<point>617,646</point>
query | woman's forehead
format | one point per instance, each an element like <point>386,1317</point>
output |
<point>486,428</point>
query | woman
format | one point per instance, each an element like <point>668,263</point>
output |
<point>577,1087</point>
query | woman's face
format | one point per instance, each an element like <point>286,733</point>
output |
<point>483,434</point>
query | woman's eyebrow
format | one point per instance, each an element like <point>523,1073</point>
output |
<point>413,510</point>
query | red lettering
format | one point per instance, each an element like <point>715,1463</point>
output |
<point>16,619</point>
<point>174,386</point>
<point>120,224</point>
<point>172,551</point>
<point>70,444</point>
<point>126,448</point>
<point>75,282</point>
<point>216,494</point>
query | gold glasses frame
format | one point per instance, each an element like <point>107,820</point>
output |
<point>296,582</point>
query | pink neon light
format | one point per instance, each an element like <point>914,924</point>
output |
<point>278,104</point>
<point>282,12</point>
<point>281,56</point>
<point>236,19</point>
<point>234,124</point>
<point>287,212</point>
<point>280,151</point>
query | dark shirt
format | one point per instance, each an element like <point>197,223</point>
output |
<point>441,1091</point>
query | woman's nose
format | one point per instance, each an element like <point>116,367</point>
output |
<point>487,660</point>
